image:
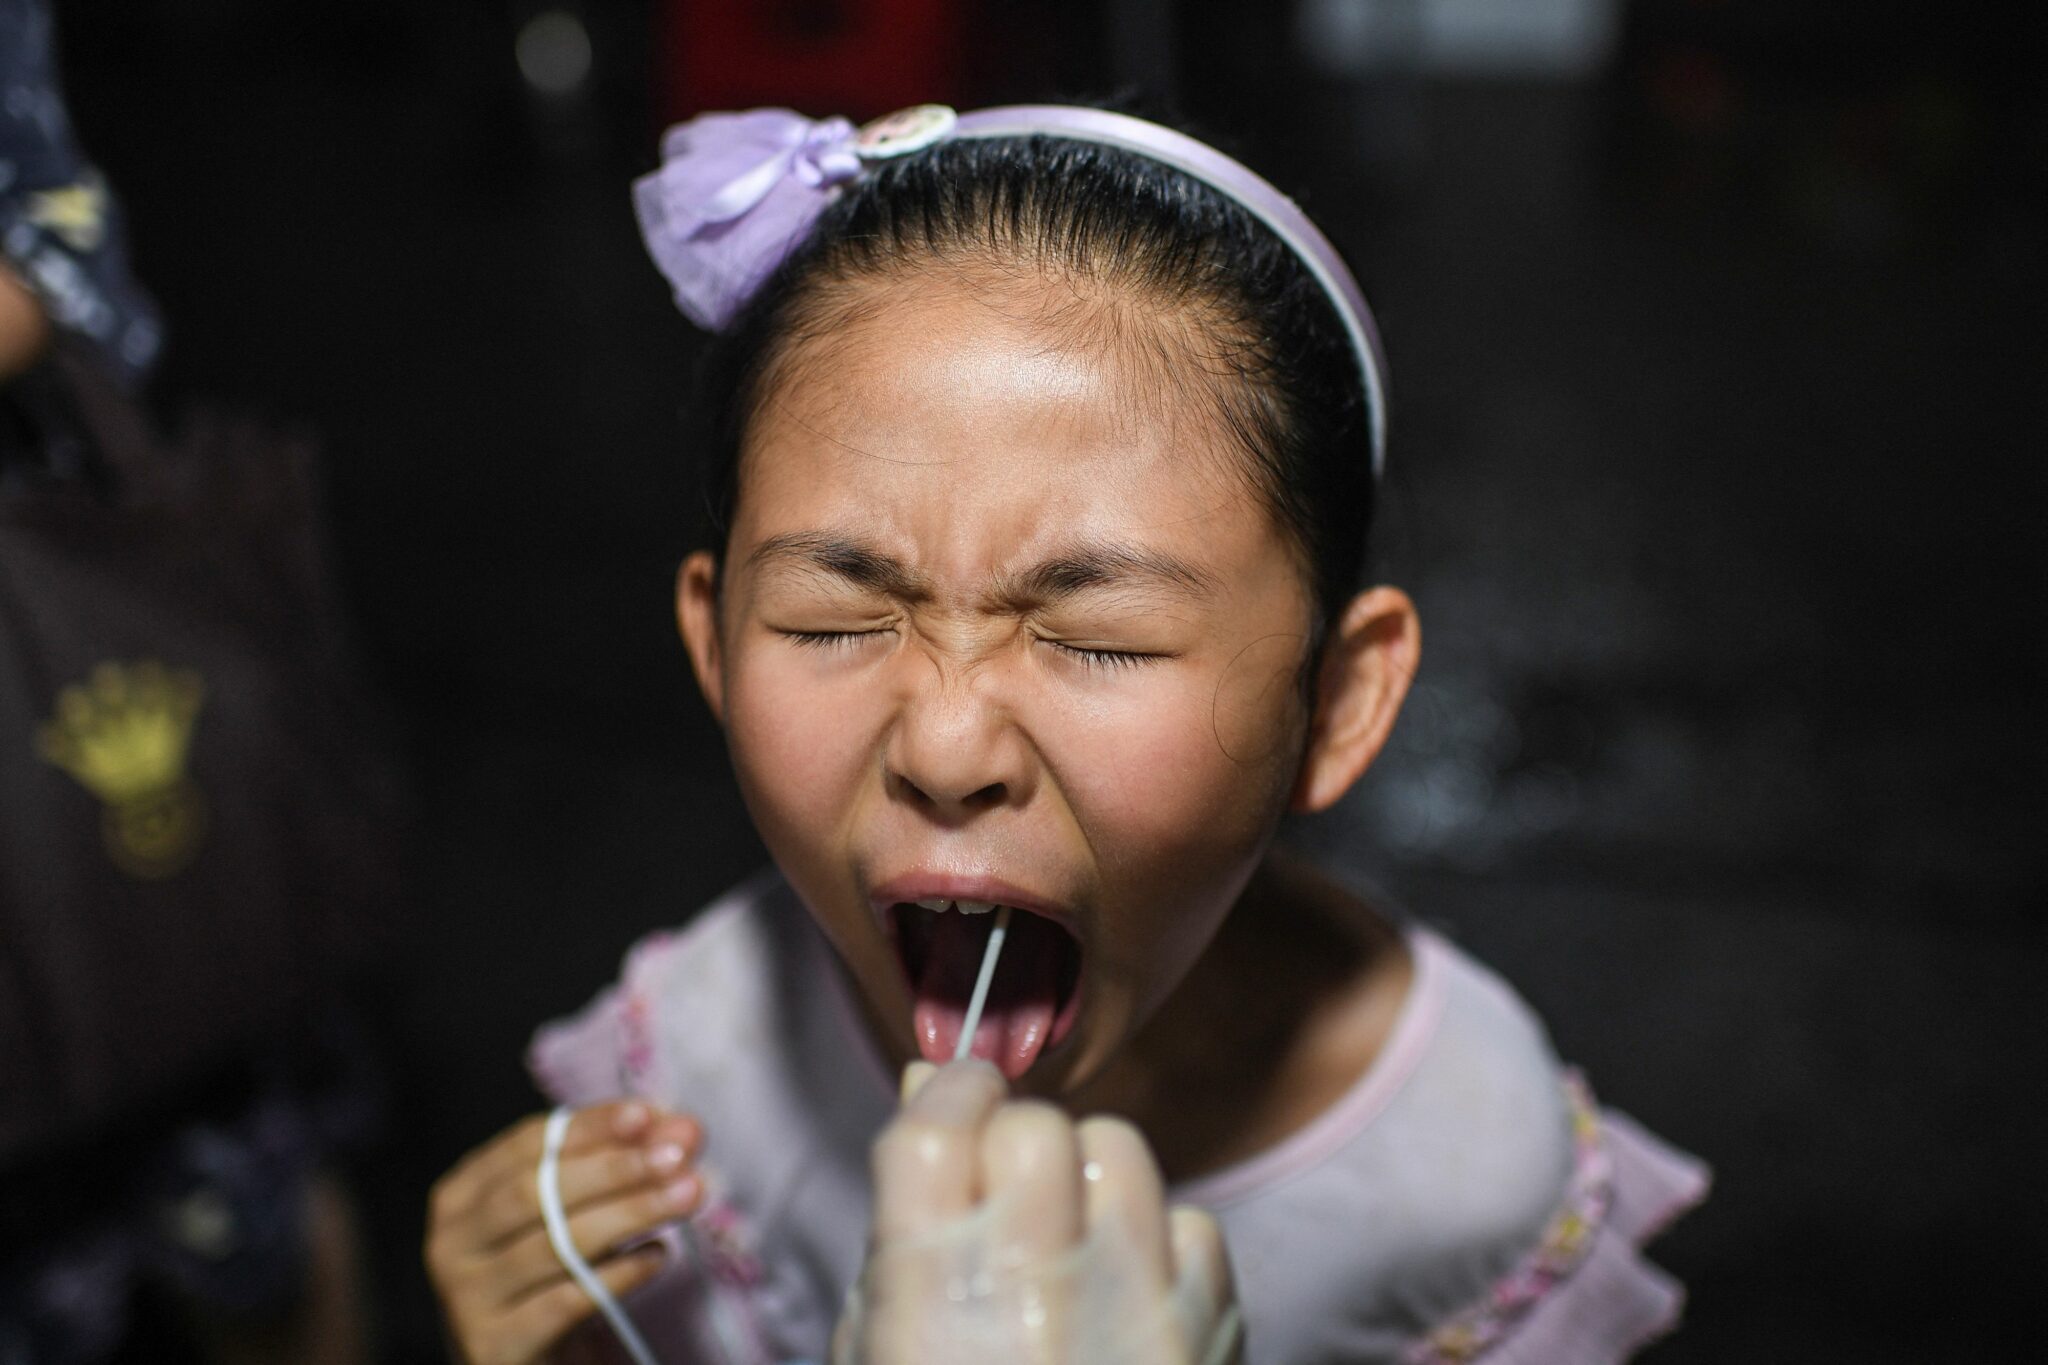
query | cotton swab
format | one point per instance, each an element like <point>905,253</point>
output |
<point>964,1048</point>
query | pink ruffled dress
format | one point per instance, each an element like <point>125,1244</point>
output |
<point>1465,1200</point>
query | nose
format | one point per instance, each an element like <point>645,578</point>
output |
<point>955,753</point>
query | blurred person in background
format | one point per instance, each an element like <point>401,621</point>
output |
<point>194,819</point>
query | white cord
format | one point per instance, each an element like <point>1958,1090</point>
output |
<point>963,1049</point>
<point>550,1185</point>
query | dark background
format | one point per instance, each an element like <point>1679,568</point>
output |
<point>1714,468</point>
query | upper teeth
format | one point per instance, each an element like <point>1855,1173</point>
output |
<point>964,907</point>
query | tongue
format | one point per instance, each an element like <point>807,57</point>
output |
<point>1021,999</point>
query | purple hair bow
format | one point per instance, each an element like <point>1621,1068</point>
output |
<point>737,192</point>
<point>734,194</point>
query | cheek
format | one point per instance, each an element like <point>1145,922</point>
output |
<point>799,749</point>
<point>1175,781</point>
<point>1258,708</point>
<point>1176,825</point>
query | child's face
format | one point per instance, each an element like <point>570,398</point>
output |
<point>1002,619</point>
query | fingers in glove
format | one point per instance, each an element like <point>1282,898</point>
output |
<point>1031,1171</point>
<point>1126,1199</point>
<point>1205,1300</point>
<point>914,1076</point>
<point>927,1161</point>
<point>927,1167</point>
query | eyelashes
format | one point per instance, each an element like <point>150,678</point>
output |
<point>1104,660</point>
<point>823,640</point>
<point>1108,660</point>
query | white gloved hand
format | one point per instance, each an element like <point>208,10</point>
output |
<point>1007,1234</point>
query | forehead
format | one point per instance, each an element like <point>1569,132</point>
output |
<point>979,415</point>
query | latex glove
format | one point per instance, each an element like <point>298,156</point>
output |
<point>1007,1234</point>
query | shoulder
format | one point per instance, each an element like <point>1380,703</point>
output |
<point>1455,1141</point>
<point>1465,1195</point>
<point>1421,1187</point>
<point>1480,1130</point>
<point>1539,1201</point>
<point>1443,1067</point>
<point>1490,1080</point>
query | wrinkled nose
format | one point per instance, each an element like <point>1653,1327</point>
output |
<point>954,754</point>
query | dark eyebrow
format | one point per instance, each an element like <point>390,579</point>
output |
<point>846,558</point>
<point>1085,566</point>
<point>1074,569</point>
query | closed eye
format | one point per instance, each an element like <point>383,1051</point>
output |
<point>1106,658</point>
<point>829,639</point>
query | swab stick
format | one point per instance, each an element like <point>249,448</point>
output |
<point>963,1049</point>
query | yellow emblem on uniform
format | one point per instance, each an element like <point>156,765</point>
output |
<point>124,733</point>
<point>76,213</point>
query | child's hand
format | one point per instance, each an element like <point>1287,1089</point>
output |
<point>626,1169</point>
<point>1005,1232</point>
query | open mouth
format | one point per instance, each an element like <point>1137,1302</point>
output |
<point>1031,1000</point>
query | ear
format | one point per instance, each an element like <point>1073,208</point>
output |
<point>697,618</point>
<point>1368,662</point>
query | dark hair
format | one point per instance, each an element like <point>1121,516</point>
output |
<point>1290,386</point>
